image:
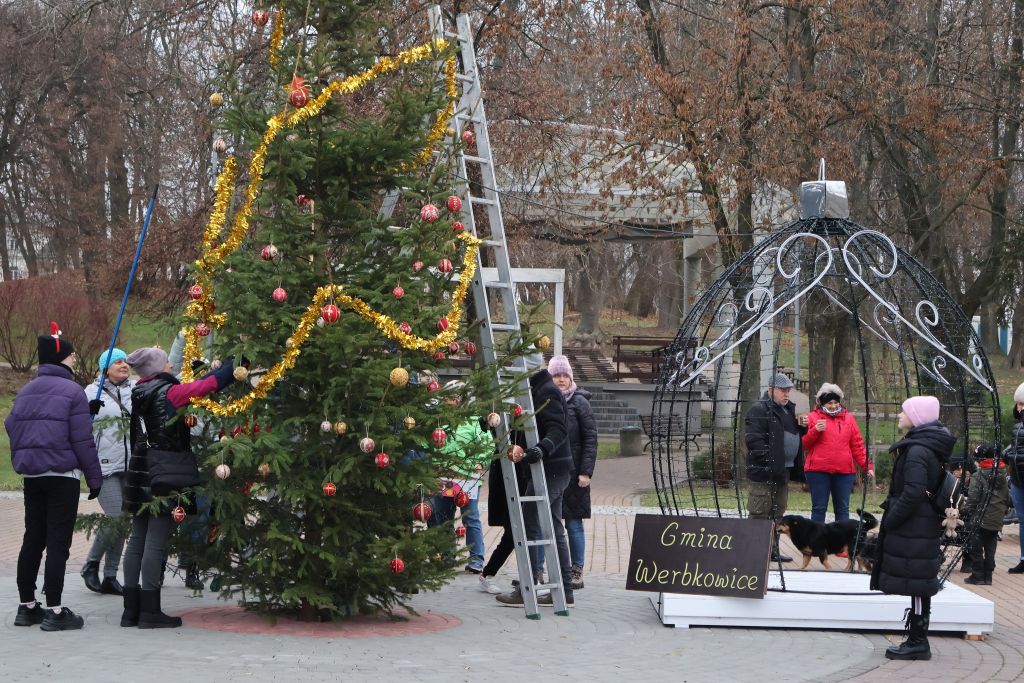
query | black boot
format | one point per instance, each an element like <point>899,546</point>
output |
<point>111,586</point>
<point>150,615</point>
<point>130,616</point>
<point>1017,569</point>
<point>979,579</point>
<point>916,645</point>
<point>91,575</point>
<point>192,578</point>
<point>965,565</point>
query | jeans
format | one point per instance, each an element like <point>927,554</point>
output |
<point>444,511</point>
<point>1017,496</point>
<point>51,506</point>
<point>147,550</point>
<point>557,484</point>
<point>824,484</point>
<point>108,543</point>
<point>577,540</point>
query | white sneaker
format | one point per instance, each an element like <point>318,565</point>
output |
<point>487,584</point>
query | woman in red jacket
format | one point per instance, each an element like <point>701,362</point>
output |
<point>832,444</point>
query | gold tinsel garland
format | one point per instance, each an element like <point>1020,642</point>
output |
<point>214,254</point>
<point>276,38</point>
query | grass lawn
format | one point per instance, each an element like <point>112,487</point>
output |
<point>799,500</point>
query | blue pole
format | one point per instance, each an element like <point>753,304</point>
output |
<point>128,286</point>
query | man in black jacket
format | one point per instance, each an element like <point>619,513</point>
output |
<point>553,449</point>
<point>773,436</point>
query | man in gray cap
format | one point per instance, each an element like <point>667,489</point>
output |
<point>773,436</point>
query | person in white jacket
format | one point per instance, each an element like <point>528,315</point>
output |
<point>110,429</point>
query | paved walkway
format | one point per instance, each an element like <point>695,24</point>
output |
<point>612,635</point>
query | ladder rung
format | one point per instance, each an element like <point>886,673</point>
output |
<point>504,327</point>
<point>497,284</point>
<point>465,78</point>
<point>479,160</point>
<point>482,200</point>
<point>494,244</point>
<point>468,117</point>
<point>531,499</point>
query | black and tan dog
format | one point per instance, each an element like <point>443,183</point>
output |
<point>816,539</point>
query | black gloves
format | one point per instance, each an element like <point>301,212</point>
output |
<point>533,454</point>
<point>95,405</point>
<point>93,493</point>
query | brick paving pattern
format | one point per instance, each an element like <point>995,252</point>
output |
<point>463,635</point>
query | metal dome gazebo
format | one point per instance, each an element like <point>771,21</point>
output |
<point>909,337</point>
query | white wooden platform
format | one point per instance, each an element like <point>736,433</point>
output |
<point>827,600</point>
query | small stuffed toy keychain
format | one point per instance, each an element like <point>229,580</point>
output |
<point>952,522</point>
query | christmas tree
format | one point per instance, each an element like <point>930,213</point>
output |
<point>340,315</point>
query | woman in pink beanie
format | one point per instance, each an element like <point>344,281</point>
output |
<point>909,555</point>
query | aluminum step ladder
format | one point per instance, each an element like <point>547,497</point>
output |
<point>469,116</point>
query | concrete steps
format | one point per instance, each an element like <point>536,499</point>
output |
<point>610,414</point>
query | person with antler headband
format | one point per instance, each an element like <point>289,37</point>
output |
<point>52,445</point>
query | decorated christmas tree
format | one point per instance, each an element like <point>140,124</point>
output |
<point>341,313</point>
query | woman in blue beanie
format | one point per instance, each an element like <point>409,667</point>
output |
<point>110,430</point>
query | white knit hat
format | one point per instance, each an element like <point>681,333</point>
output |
<point>827,388</point>
<point>1018,396</point>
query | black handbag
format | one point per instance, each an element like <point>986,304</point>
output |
<point>171,471</point>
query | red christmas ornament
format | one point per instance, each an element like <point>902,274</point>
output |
<point>256,428</point>
<point>442,324</point>
<point>453,204</point>
<point>302,201</point>
<point>382,460</point>
<point>453,347</point>
<point>469,348</point>
<point>517,411</point>
<point>433,386</point>
<point>268,253</point>
<point>429,213</point>
<point>330,489</point>
<point>439,436</point>
<point>397,566</point>
<point>190,421</point>
<point>453,489</point>
<point>247,487</point>
<point>279,294</point>
<point>461,499</point>
<point>468,137</point>
<point>195,292</point>
<point>298,92</point>
<point>445,265</point>
<point>330,313</point>
<point>202,329</point>
<point>260,17</point>
<point>236,430</point>
<point>439,355</point>
<point>405,327</point>
<point>417,266</point>
<point>398,292</point>
<point>457,226</point>
<point>421,512</point>
<point>460,531</point>
<point>178,514</point>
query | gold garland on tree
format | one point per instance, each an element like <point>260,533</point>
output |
<point>214,254</point>
<point>276,38</point>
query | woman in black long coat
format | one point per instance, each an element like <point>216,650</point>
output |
<point>583,443</point>
<point>910,556</point>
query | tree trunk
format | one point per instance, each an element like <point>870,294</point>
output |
<point>590,295</point>
<point>990,330</point>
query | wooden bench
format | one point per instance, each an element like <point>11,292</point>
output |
<point>639,358</point>
<point>669,428</point>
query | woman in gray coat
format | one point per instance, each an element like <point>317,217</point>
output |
<point>110,430</point>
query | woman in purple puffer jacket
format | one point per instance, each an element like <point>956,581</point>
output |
<point>51,447</point>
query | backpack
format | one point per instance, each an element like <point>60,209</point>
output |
<point>947,494</point>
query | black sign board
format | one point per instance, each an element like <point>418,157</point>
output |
<point>700,555</point>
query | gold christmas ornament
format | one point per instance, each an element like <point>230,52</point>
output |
<point>410,422</point>
<point>494,420</point>
<point>264,470</point>
<point>340,428</point>
<point>399,377</point>
<point>240,373</point>
<point>216,99</point>
<point>543,342</point>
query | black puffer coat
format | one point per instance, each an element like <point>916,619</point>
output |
<point>1014,453</point>
<point>909,556</point>
<point>764,426</point>
<point>152,410</point>
<point>583,443</point>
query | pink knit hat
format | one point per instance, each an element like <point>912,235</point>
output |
<point>559,365</point>
<point>921,410</point>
